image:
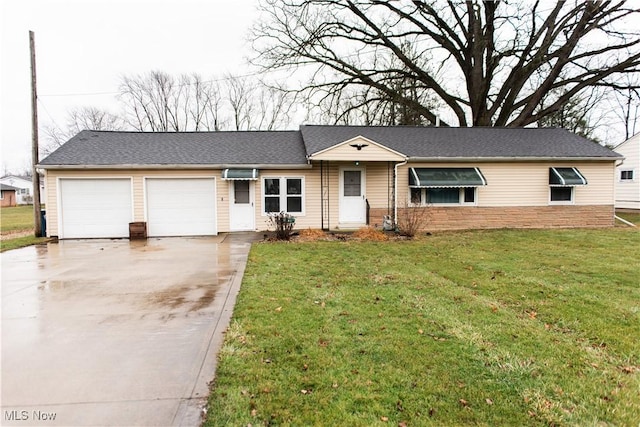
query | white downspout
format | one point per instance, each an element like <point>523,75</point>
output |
<point>395,190</point>
<point>624,221</point>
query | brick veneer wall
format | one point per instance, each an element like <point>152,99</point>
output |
<point>473,217</point>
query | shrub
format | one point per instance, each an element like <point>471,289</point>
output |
<point>411,218</point>
<point>283,223</point>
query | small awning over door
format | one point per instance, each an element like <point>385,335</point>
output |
<point>240,174</point>
<point>566,177</point>
<point>445,177</point>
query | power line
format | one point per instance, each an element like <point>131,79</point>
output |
<point>48,113</point>
<point>256,73</point>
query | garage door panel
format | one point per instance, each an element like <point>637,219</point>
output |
<point>95,208</point>
<point>181,206</point>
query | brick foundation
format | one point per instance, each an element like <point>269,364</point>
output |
<point>473,217</point>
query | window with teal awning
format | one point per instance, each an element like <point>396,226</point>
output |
<point>566,177</point>
<point>445,177</point>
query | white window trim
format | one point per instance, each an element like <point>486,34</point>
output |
<point>563,202</point>
<point>283,194</point>
<point>1,195</point>
<point>461,202</point>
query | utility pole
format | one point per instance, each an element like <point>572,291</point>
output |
<point>35,157</point>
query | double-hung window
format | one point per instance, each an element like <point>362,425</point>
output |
<point>626,175</point>
<point>283,194</point>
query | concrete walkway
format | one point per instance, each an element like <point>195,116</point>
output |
<point>113,332</point>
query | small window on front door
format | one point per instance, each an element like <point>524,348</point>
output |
<point>241,192</point>
<point>352,183</point>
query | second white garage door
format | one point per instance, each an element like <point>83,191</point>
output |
<point>181,206</point>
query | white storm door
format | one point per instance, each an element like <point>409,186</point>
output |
<point>181,206</point>
<point>95,208</point>
<point>242,212</point>
<point>353,207</point>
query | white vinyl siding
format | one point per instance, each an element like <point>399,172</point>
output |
<point>527,183</point>
<point>627,179</point>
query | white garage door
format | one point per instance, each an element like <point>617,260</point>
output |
<point>91,208</point>
<point>181,206</point>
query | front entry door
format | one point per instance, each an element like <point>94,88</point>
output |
<point>353,207</point>
<point>242,213</point>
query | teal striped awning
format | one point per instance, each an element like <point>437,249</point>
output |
<point>566,177</point>
<point>445,177</point>
<point>240,174</point>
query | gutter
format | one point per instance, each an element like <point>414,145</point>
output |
<point>176,166</point>
<point>512,159</point>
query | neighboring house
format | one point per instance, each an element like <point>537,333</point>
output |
<point>627,174</point>
<point>7,195</point>
<point>329,177</point>
<point>24,185</point>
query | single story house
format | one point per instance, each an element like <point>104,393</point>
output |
<point>8,195</point>
<point>627,178</point>
<point>328,177</point>
<point>24,186</point>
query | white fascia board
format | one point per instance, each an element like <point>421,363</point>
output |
<point>511,159</point>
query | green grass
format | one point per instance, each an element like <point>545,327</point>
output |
<point>629,216</point>
<point>16,218</point>
<point>489,328</point>
<point>21,242</point>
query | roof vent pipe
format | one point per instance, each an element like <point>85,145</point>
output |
<point>437,121</point>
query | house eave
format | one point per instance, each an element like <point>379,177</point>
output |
<point>511,159</point>
<point>176,166</point>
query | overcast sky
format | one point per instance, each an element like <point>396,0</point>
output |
<point>83,47</point>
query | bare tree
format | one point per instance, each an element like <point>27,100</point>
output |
<point>78,119</point>
<point>240,95</point>
<point>628,110</point>
<point>484,63</point>
<point>576,115</point>
<point>160,102</point>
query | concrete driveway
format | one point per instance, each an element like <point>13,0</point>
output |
<point>113,332</point>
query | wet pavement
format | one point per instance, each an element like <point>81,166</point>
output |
<point>115,332</point>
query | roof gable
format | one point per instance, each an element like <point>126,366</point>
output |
<point>358,148</point>
<point>629,147</point>
<point>5,187</point>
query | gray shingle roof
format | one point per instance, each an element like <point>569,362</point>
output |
<point>103,148</point>
<point>464,142</point>
<point>5,187</point>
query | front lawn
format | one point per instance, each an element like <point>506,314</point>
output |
<point>16,228</point>
<point>16,218</point>
<point>501,327</point>
<point>629,216</point>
